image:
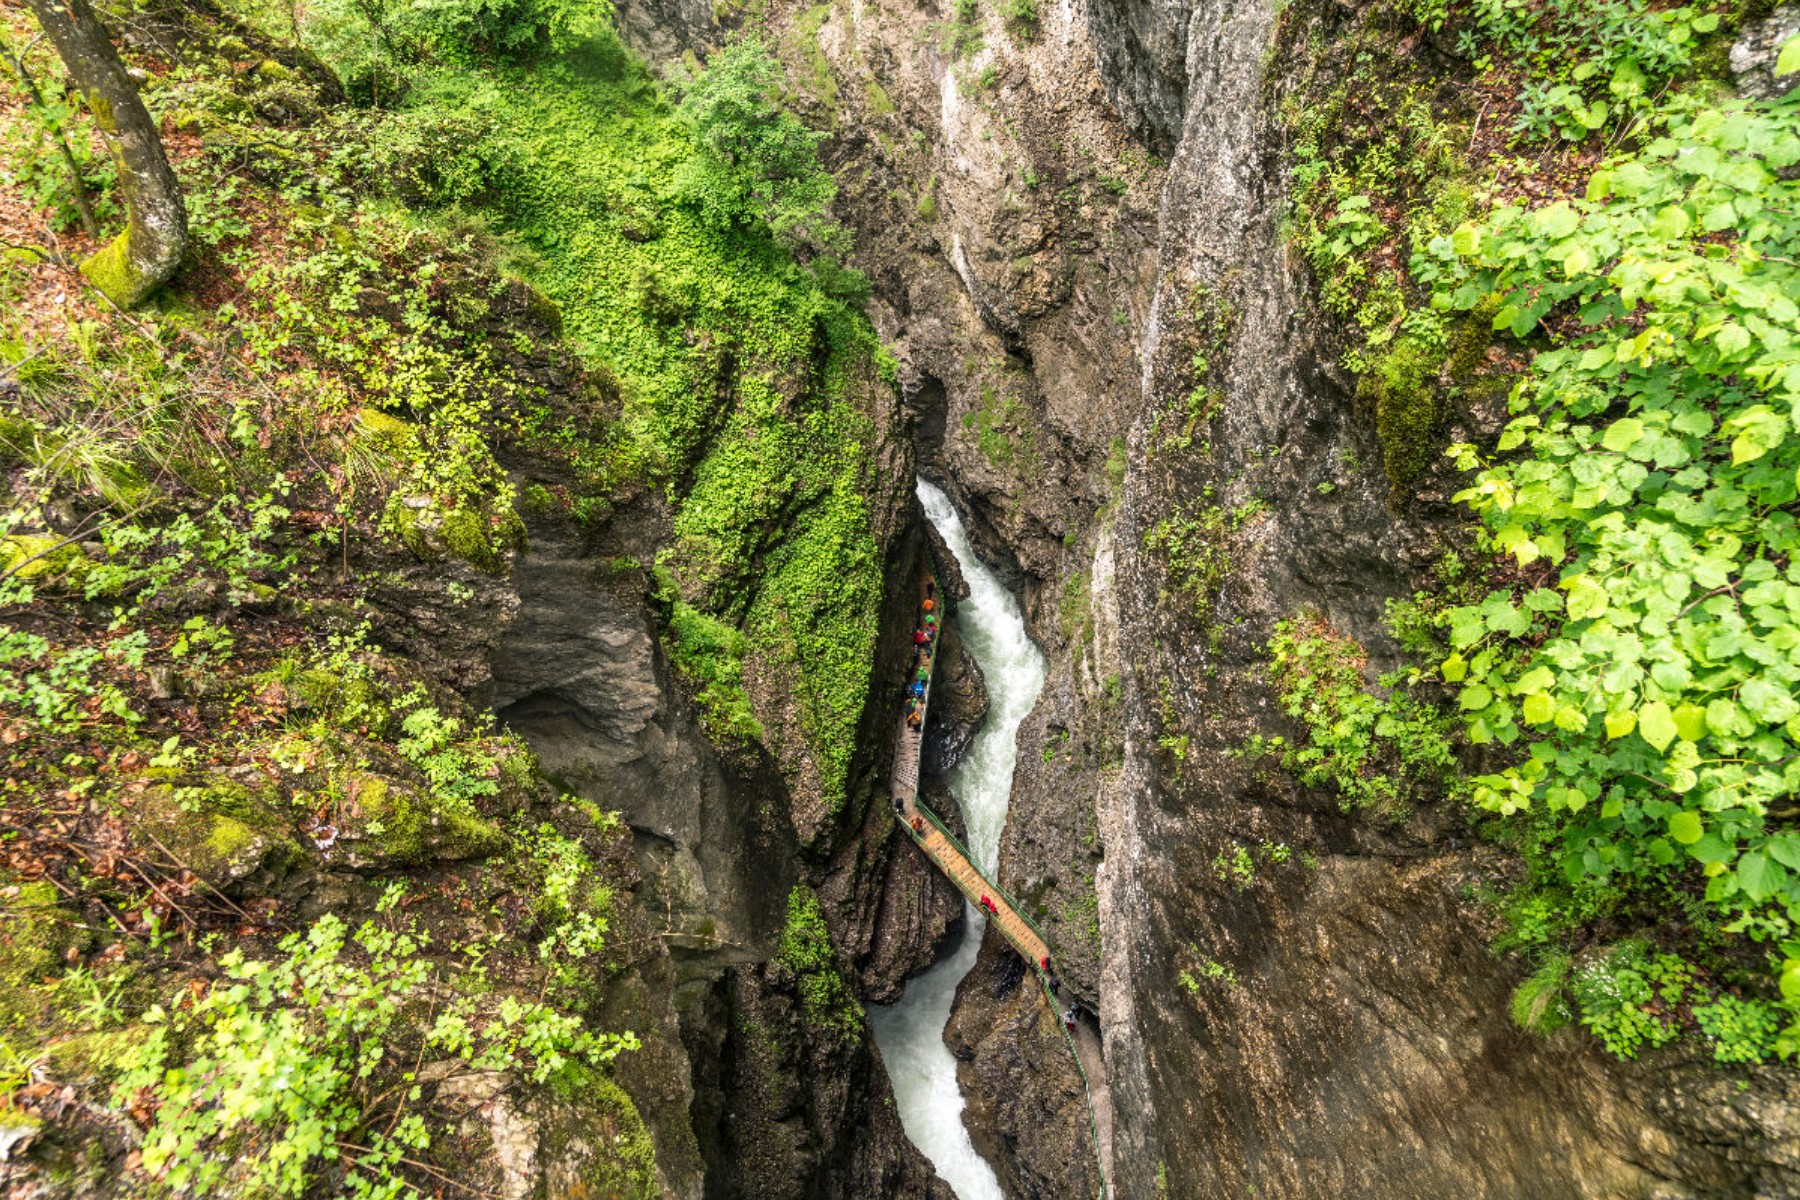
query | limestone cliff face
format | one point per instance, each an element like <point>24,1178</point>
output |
<point>1057,222</point>
<point>757,1093</point>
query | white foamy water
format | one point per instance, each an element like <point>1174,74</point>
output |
<point>911,1033</point>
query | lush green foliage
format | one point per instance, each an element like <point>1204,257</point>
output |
<point>1591,64</point>
<point>303,1050</point>
<point>1649,649</point>
<point>1380,751</point>
<point>379,46</point>
<point>755,161</point>
<point>711,654</point>
<point>738,373</point>
<point>806,952</point>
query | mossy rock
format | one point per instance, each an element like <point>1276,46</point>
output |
<point>481,538</point>
<point>94,1055</point>
<point>540,308</point>
<point>220,830</point>
<point>592,1142</point>
<point>35,933</point>
<point>396,826</point>
<point>41,554</point>
<point>18,437</point>
<point>338,698</point>
<point>386,431</point>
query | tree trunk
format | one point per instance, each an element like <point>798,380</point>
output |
<point>150,249</point>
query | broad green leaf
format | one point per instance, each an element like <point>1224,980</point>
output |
<point>1538,679</point>
<point>1759,877</point>
<point>1767,702</point>
<point>1586,597</point>
<point>1732,339</point>
<point>1476,696</point>
<point>1618,724</point>
<point>1623,434</point>
<point>1539,707</point>
<point>1672,222</point>
<point>1720,216</point>
<point>1685,827</point>
<point>1558,220</point>
<point>1690,722</point>
<point>1785,849</point>
<point>1656,724</point>
<point>1788,61</point>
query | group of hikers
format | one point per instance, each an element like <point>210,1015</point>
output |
<point>924,646</point>
<point>918,679</point>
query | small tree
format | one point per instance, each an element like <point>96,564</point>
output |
<point>149,250</point>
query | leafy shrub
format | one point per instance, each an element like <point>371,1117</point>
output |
<point>1626,997</point>
<point>1588,61</point>
<point>378,47</point>
<point>1539,1005</point>
<point>710,653</point>
<point>1021,17</point>
<point>283,1067</point>
<point>1648,474</point>
<point>756,162</point>
<point>807,952</point>
<point>459,768</point>
<point>1380,752</point>
<point>1741,1031</point>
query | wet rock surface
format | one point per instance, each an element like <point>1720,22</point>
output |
<point>1026,1107</point>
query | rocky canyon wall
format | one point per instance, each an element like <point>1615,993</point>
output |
<point>1117,366</point>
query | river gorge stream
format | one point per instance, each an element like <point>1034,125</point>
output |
<point>911,1032</point>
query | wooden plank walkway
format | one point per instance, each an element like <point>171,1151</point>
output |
<point>952,858</point>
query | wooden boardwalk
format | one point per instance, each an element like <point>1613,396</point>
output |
<point>946,850</point>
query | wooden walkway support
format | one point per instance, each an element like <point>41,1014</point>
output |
<point>950,856</point>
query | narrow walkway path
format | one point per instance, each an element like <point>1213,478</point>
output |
<point>951,857</point>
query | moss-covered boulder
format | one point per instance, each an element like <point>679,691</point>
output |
<point>34,936</point>
<point>219,829</point>
<point>394,825</point>
<point>485,539</point>
<point>39,556</point>
<point>592,1143</point>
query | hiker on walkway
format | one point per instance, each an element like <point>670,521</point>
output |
<point>929,604</point>
<point>914,719</point>
<point>916,689</point>
<point>921,638</point>
<point>918,824</point>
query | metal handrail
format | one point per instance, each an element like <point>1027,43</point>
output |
<point>976,867</point>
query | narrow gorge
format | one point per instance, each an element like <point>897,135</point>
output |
<point>455,611</point>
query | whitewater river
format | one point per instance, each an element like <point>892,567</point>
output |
<point>911,1033</point>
